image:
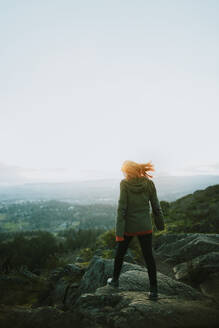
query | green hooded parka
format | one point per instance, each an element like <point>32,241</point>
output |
<point>133,211</point>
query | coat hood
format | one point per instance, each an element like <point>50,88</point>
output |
<point>137,184</point>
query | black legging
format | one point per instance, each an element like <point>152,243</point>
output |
<point>146,247</point>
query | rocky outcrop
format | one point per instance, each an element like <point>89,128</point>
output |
<point>178,305</point>
<point>129,305</point>
<point>70,270</point>
<point>197,269</point>
<point>77,296</point>
<point>111,309</point>
<point>61,282</point>
<point>181,247</point>
<point>194,258</point>
<point>133,277</point>
<point>99,270</point>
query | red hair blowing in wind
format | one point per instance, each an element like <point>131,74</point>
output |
<point>132,169</point>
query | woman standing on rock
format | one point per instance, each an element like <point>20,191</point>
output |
<point>133,219</point>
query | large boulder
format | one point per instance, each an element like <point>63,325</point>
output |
<point>197,269</point>
<point>183,247</point>
<point>70,270</point>
<point>133,277</point>
<point>99,270</point>
<point>61,281</point>
<point>96,275</point>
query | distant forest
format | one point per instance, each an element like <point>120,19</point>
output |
<point>55,216</point>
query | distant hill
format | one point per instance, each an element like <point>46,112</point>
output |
<point>105,191</point>
<point>195,212</point>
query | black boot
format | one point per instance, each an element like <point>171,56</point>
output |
<point>153,294</point>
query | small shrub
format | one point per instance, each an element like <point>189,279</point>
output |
<point>108,254</point>
<point>86,253</point>
<point>106,240</point>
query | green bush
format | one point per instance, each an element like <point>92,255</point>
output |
<point>32,253</point>
<point>86,254</point>
<point>108,254</point>
<point>106,240</point>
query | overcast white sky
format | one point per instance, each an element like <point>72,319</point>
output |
<point>87,84</point>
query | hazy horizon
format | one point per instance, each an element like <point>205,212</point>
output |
<point>87,85</point>
<point>10,175</point>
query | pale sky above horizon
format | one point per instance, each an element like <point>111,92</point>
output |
<point>86,85</point>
